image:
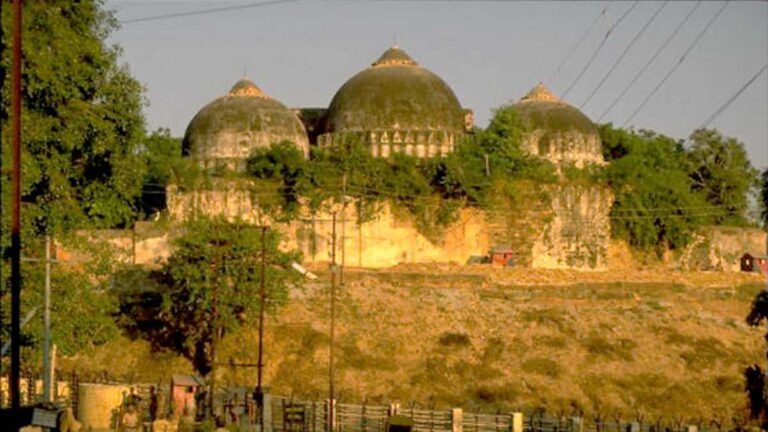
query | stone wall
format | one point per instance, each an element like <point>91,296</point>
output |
<point>720,248</point>
<point>570,231</point>
<point>580,230</point>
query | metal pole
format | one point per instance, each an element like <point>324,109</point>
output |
<point>47,324</point>
<point>16,209</point>
<point>263,297</point>
<point>333,327</point>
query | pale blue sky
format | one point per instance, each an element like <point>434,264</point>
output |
<point>489,52</point>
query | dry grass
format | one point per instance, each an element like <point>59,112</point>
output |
<point>662,343</point>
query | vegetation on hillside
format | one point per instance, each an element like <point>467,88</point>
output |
<point>665,191</point>
<point>763,197</point>
<point>486,165</point>
<point>209,287</point>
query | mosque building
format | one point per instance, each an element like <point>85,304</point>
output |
<point>397,106</point>
<point>558,131</point>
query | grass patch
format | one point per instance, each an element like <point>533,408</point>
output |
<point>619,349</point>
<point>556,342</point>
<point>542,366</point>
<point>704,351</point>
<point>548,317</point>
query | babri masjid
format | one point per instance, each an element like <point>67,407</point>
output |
<point>396,106</point>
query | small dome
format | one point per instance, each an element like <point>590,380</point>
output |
<point>226,131</point>
<point>557,130</point>
<point>397,96</point>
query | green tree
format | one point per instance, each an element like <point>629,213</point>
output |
<point>161,154</point>
<point>654,204</point>
<point>720,169</point>
<point>493,159</point>
<point>764,197</point>
<point>82,121</point>
<point>210,283</point>
<point>755,379</point>
<point>82,125</point>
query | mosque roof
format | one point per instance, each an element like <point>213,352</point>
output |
<point>540,108</point>
<point>234,125</point>
<point>395,92</point>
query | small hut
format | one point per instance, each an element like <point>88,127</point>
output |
<point>502,255</point>
<point>754,262</point>
<point>183,390</point>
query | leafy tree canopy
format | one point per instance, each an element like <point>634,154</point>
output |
<point>720,170</point>
<point>654,203</point>
<point>82,120</point>
<point>210,283</point>
<point>431,189</point>
<point>81,128</point>
<point>764,197</point>
<point>161,154</point>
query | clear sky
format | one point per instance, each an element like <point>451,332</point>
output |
<point>489,52</point>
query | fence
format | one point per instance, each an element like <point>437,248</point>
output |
<point>283,414</point>
<point>31,386</point>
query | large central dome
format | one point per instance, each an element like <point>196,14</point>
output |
<point>397,106</point>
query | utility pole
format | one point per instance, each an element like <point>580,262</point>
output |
<point>331,376</point>
<point>263,299</point>
<point>487,165</point>
<point>16,209</point>
<point>47,324</point>
<point>343,226</point>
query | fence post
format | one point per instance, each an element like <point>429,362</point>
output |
<point>331,408</point>
<point>266,410</point>
<point>517,422</point>
<point>577,424</point>
<point>457,420</point>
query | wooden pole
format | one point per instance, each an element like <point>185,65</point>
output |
<point>47,324</point>
<point>263,299</point>
<point>331,377</point>
<point>16,209</point>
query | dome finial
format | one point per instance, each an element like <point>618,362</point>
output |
<point>540,93</point>
<point>394,56</point>
<point>246,87</point>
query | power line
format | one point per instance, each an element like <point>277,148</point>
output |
<point>204,11</point>
<point>578,43</point>
<point>624,53</point>
<point>599,47</point>
<point>679,62</point>
<point>733,98</point>
<point>651,60</point>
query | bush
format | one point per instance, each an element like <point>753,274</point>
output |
<point>458,340</point>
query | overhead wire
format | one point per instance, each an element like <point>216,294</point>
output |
<point>204,11</point>
<point>733,98</point>
<point>578,43</point>
<point>624,53</point>
<point>599,48</point>
<point>679,62</point>
<point>650,60</point>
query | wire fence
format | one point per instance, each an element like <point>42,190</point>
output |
<point>283,414</point>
